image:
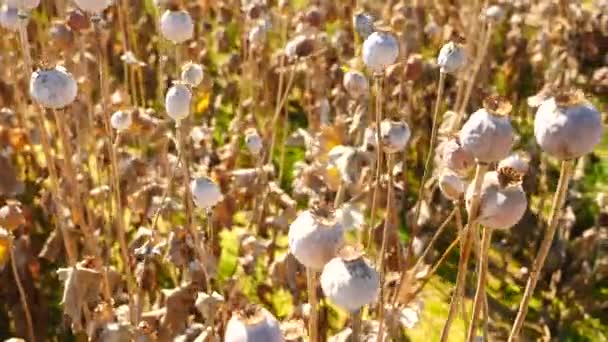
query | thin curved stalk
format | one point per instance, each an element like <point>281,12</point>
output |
<point>433,270</point>
<point>431,243</point>
<point>376,179</point>
<point>480,292</point>
<point>382,256</point>
<point>471,82</point>
<point>539,261</point>
<point>458,294</point>
<point>313,320</point>
<point>280,102</point>
<point>429,155</point>
<point>22,294</point>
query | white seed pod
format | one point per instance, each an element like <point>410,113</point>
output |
<point>253,324</point>
<point>9,18</point>
<point>452,58</point>
<point>488,133</point>
<point>342,157</point>
<point>349,281</point>
<point>494,13</point>
<point>380,50</point>
<point>53,88</point>
<point>291,48</point>
<point>517,162</point>
<point>93,6</point>
<point>177,26</point>
<point>355,83</point>
<point>192,74</point>
<point>121,120</point>
<point>395,135</point>
<point>257,36</point>
<point>455,157</point>
<point>26,5</point>
<point>567,126</point>
<point>364,24</point>
<point>205,192</point>
<point>315,237</point>
<point>178,101</point>
<point>451,185</point>
<point>502,199</point>
<point>253,141</point>
<point>351,217</point>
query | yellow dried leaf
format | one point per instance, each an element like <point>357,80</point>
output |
<point>203,102</point>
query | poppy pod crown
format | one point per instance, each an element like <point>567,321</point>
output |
<point>497,105</point>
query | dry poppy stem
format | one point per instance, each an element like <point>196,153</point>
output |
<point>429,155</point>
<point>181,132</point>
<point>539,261</point>
<point>114,176</point>
<point>280,102</point>
<point>428,248</point>
<point>22,294</point>
<point>355,322</point>
<point>382,257</point>
<point>378,78</point>
<point>458,294</point>
<point>166,192</point>
<point>471,82</point>
<point>433,270</point>
<point>69,244</point>
<point>480,292</point>
<point>313,320</point>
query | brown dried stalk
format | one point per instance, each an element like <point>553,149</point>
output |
<point>480,292</point>
<point>22,294</point>
<point>539,261</point>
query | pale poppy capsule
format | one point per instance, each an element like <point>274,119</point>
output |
<point>502,199</point>
<point>452,58</point>
<point>395,135</point>
<point>93,6</point>
<point>364,24</point>
<point>121,120</point>
<point>205,192</point>
<point>517,162</point>
<point>488,133</point>
<point>252,324</point>
<point>567,126</point>
<point>53,88</point>
<point>257,37</point>
<point>455,157</point>
<point>9,18</point>
<point>253,141</point>
<point>380,50</point>
<point>451,185</point>
<point>494,14</point>
<point>355,83</point>
<point>178,101</point>
<point>192,74</point>
<point>177,26</point>
<point>349,281</point>
<point>314,237</point>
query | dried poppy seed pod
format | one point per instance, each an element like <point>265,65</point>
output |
<point>452,58</point>
<point>314,237</point>
<point>53,88</point>
<point>257,37</point>
<point>349,281</point>
<point>205,192</point>
<point>253,323</point>
<point>9,18</point>
<point>253,141</point>
<point>567,126</point>
<point>355,83</point>
<point>121,120</point>
<point>516,161</point>
<point>192,74</point>
<point>455,157</point>
<point>93,6</point>
<point>494,14</point>
<point>395,135</point>
<point>488,133</point>
<point>364,24</point>
<point>380,50</point>
<point>502,199</point>
<point>177,101</point>
<point>451,185</point>
<point>177,26</point>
